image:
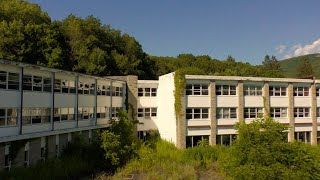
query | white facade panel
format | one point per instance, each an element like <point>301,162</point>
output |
<point>102,121</point>
<point>117,101</point>
<point>276,101</point>
<point>227,101</point>
<point>302,101</point>
<point>9,131</point>
<point>282,120</point>
<point>302,120</point>
<point>302,128</point>
<point>318,101</point>
<point>26,129</point>
<point>9,98</point>
<point>198,122</point>
<point>103,101</point>
<point>253,101</point>
<point>86,100</point>
<point>227,121</point>
<point>85,123</point>
<point>147,124</point>
<point>166,120</point>
<point>147,102</point>
<point>198,131</point>
<point>198,101</point>
<point>36,99</point>
<point>64,100</point>
<point>65,125</point>
<point>221,131</point>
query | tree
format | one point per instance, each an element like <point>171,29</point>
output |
<point>261,151</point>
<point>271,67</point>
<point>119,141</point>
<point>27,35</point>
<point>304,69</point>
<point>230,59</point>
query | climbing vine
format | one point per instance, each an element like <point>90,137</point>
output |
<point>180,85</point>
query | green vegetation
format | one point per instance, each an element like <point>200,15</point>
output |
<point>290,65</point>
<point>261,151</point>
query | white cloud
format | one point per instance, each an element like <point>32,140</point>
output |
<point>281,48</point>
<point>299,50</point>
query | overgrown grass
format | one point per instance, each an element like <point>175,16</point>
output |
<point>165,161</point>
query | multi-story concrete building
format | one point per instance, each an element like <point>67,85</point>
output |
<point>212,105</point>
<point>44,107</point>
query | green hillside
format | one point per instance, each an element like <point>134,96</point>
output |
<point>290,65</point>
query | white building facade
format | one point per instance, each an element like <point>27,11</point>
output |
<point>212,105</point>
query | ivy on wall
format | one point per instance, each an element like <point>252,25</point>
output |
<point>180,85</point>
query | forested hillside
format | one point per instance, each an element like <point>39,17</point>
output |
<point>27,34</point>
<point>290,66</point>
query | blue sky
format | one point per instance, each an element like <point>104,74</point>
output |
<point>246,29</point>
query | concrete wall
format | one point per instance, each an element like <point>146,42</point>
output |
<point>166,114</point>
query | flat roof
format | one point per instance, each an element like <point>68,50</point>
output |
<point>20,64</point>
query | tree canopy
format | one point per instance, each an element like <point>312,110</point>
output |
<point>304,69</point>
<point>27,34</point>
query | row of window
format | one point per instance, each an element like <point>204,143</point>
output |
<point>197,113</point>
<point>147,112</point>
<point>8,116</point>
<point>253,113</point>
<point>36,115</point>
<point>147,92</point>
<point>197,89</point>
<point>202,89</point>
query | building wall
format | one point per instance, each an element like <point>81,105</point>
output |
<point>166,122</point>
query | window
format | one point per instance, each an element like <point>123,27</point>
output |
<point>57,86</point>
<point>301,91</point>
<point>72,87</point>
<point>225,90</point>
<point>115,112</point>
<point>147,92</point>
<point>27,82</point>
<point>8,116</point>
<point>226,113</point>
<point>301,112</point>
<point>37,83</point>
<point>192,141</point>
<point>86,88</point>
<point>317,91</point>
<point>302,136</point>
<point>197,113</point>
<point>277,91</point>
<point>147,112</point>
<point>102,112</point>
<point>140,91</point>
<point>47,84</point>
<point>7,162</point>
<point>278,112</point>
<point>3,80</point>
<point>197,89</point>
<point>92,89</point>
<point>318,112</point>
<point>64,86</point>
<point>13,81</point>
<point>35,115</point>
<point>226,139</point>
<point>85,113</point>
<point>252,112</point>
<point>117,91</point>
<point>253,90</point>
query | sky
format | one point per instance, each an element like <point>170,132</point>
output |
<point>246,29</point>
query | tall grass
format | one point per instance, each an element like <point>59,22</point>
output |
<point>165,161</point>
